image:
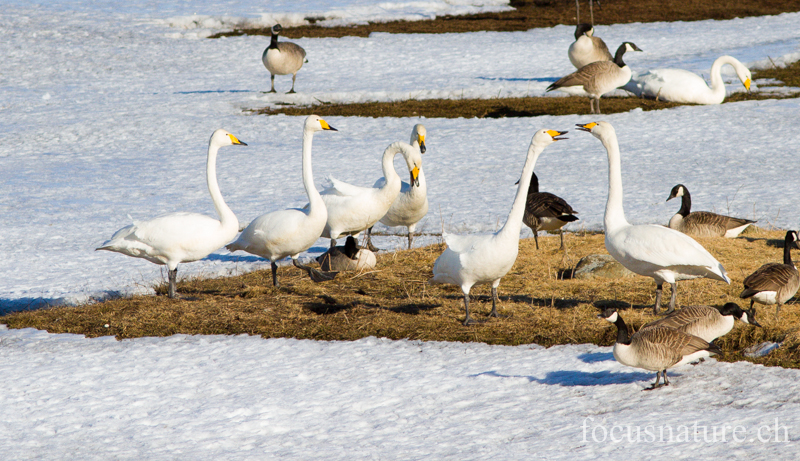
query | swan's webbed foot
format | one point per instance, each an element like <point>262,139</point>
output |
<point>316,275</point>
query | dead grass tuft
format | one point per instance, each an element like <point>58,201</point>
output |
<point>539,300</point>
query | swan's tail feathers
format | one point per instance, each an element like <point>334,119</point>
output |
<point>725,277</point>
<point>234,246</point>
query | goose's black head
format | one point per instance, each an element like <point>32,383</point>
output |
<point>583,28</point>
<point>677,191</point>
<point>746,316</point>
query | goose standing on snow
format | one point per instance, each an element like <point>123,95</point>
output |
<point>411,204</point>
<point>289,232</point>
<point>706,322</point>
<point>657,348</point>
<point>587,48</point>
<point>353,209</point>
<point>654,251</point>
<point>182,237</point>
<point>678,85</point>
<point>599,78</point>
<point>545,211</point>
<point>282,58</point>
<point>703,223</point>
<point>347,258</point>
<point>774,283</point>
<point>476,259</point>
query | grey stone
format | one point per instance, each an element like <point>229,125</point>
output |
<point>604,266</point>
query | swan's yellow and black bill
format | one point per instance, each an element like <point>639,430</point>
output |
<point>422,144</point>
<point>236,141</point>
<point>588,127</point>
<point>554,134</point>
<point>747,84</point>
<point>415,176</point>
<point>325,125</point>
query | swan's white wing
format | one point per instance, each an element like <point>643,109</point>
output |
<point>664,247</point>
<point>463,243</point>
<point>344,189</point>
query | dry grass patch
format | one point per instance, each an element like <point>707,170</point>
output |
<point>539,300</point>
<point>519,107</point>
<point>528,14</point>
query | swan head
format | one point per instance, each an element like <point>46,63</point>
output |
<point>418,135</point>
<point>222,138</point>
<point>745,76</point>
<point>412,157</point>
<point>677,191</point>
<point>315,123</point>
<point>583,28</point>
<point>276,29</point>
<point>600,130</point>
<point>546,137</point>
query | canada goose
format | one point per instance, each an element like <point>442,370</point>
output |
<point>654,251</point>
<point>182,237</point>
<point>706,322</point>
<point>347,258</point>
<point>678,85</point>
<point>476,259</point>
<point>703,223</point>
<point>657,348</point>
<point>587,48</point>
<point>289,232</point>
<point>598,78</point>
<point>353,209</point>
<point>545,211</point>
<point>411,204</point>
<point>774,283</point>
<point>282,58</point>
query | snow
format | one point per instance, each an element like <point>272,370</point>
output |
<point>106,115</point>
<point>105,112</point>
<point>217,397</point>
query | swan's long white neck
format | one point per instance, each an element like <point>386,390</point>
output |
<point>615,215</point>
<point>314,199</point>
<point>225,214</point>
<point>387,164</point>
<point>717,85</point>
<point>513,224</point>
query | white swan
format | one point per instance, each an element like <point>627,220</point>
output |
<point>678,85</point>
<point>411,204</point>
<point>353,209</point>
<point>182,237</point>
<point>654,251</point>
<point>290,232</point>
<point>476,259</point>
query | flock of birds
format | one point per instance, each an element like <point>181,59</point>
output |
<point>666,254</point>
<point>600,73</point>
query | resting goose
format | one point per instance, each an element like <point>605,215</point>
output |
<point>654,251</point>
<point>706,322</point>
<point>477,259</point>
<point>774,283</point>
<point>353,209</point>
<point>282,58</point>
<point>599,78</point>
<point>587,48</point>
<point>347,258</point>
<point>182,237</point>
<point>411,204</point>
<point>289,232</point>
<point>703,223</point>
<point>545,211</point>
<point>678,85</point>
<point>657,348</point>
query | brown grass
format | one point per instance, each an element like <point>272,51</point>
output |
<point>529,14</point>
<point>518,107</point>
<point>541,303</point>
